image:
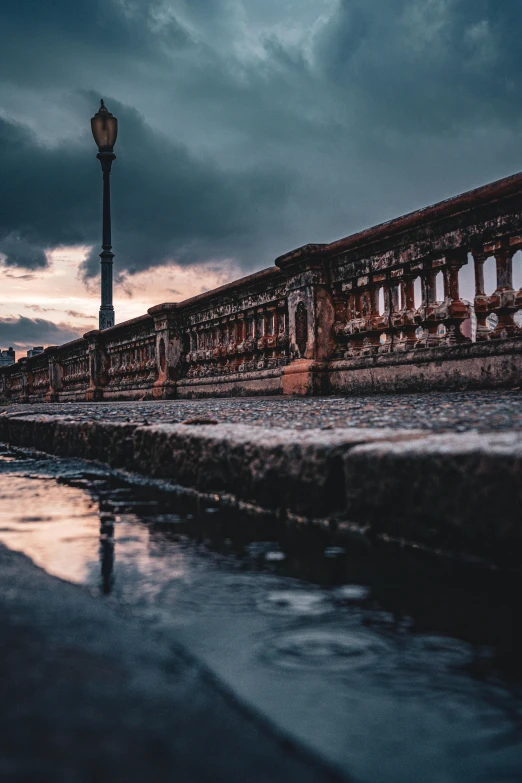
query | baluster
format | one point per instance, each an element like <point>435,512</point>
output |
<point>518,294</point>
<point>392,301</point>
<point>423,314</point>
<point>391,309</point>
<point>481,300</point>
<point>352,327</point>
<point>340,320</point>
<point>455,311</point>
<point>282,334</point>
<point>365,312</point>
<point>405,318</point>
<point>379,321</point>
<point>502,302</point>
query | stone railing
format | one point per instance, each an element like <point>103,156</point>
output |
<point>12,382</point>
<point>128,358</point>
<point>377,311</point>
<point>37,372</point>
<point>399,320</point>
<point>239,337</point>
<point>69,371</point>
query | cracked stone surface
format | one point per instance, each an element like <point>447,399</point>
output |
<point>486,411</point>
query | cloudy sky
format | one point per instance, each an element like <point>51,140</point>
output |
<point>246,128</point>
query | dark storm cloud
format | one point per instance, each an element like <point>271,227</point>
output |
<point>168,205</point>
<point>47,43</point>
<point>42,203</point>
<point>22,332</point>
<point>18,252</point>
<point>268,124</point>
<point>427,66</point>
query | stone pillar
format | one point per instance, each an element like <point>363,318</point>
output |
<point>404,320</point>
<point>502,302</point>
<point>373,297</point>
<point>429,287</point>
<point>425,315</point>
<point>504,258</point>
<point>391,302</point>
<point>281,332</point>
<point>310,325</point>
<point>26,379</point>
<point>260,326</point>
<point>55,374</point>
<point>169,349</point>
<point>451,281</point>
<point>98,365</point>
<point>481,300</point>
<point>242,328</point>
<point>374,319</point>
<point>457,311</point>
<point>408,292</point>
<point>518,294</point>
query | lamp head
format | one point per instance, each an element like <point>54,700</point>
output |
<point>104,126</point>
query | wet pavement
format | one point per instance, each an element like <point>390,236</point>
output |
<point>392,665</point>
<point>486,411</point>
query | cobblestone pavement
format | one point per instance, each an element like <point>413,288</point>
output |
<point>487,411</point>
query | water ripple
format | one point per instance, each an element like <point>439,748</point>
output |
<point>330,650</point>
<point>295,602</point>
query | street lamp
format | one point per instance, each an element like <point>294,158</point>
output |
<point>105,130</point>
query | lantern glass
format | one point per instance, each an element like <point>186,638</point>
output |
<point>104,128</point>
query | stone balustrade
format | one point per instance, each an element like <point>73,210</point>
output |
<point>127,363</point>
<point>11,382</point>
<point>381,310</point>
<point>236,337</point>
<point>69,372</point>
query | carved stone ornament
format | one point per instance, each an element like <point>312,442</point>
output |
<point>301,328</point>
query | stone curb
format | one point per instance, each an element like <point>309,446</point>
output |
<point>275,468</point>
<point>451,491</point>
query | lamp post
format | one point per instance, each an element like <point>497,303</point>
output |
<point>105,130</point>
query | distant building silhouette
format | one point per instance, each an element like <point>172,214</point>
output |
<point>7,357</point>
<point>35,351</point>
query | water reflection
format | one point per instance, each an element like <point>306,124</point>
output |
<point>396,668</point>
<point>107,552</point>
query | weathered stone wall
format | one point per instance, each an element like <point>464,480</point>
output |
<point>338,318</point>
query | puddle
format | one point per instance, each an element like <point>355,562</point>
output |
<point>394,669</point>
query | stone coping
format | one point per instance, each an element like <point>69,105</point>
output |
<point>494,191</point>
